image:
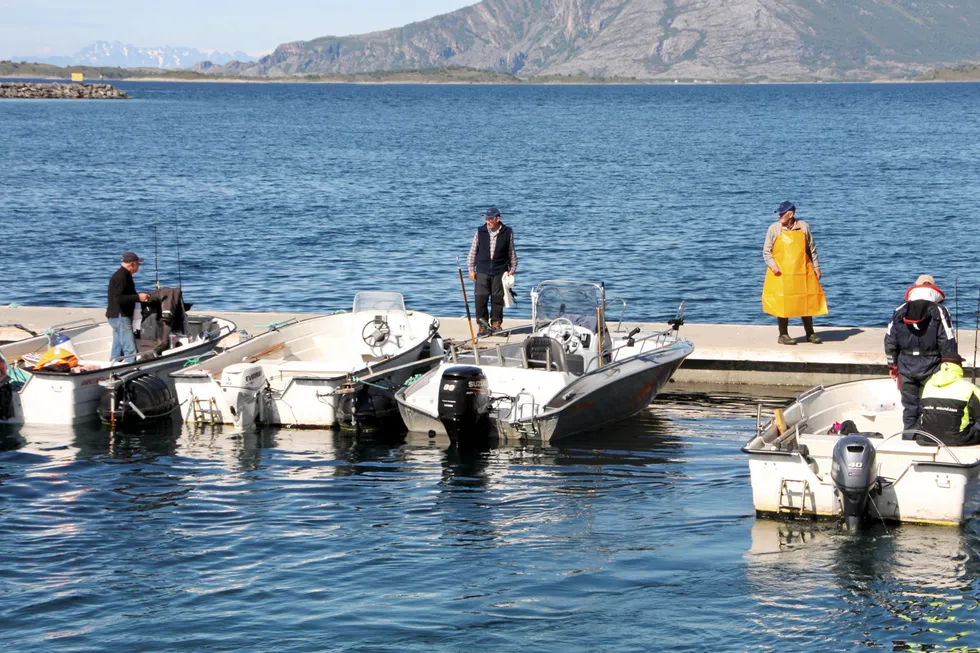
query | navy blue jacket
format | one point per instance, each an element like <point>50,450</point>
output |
<point>917,348</point>
<point>500,261</point>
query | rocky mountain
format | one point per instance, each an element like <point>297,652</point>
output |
<point>656,39</point>
<point>124,55</point>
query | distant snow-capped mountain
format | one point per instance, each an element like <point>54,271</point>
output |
<point>125,55</point>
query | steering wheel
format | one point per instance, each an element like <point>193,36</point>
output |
<point>376,333</point>
<point>562,330</point>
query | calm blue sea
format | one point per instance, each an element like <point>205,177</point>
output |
<point>293,197</point>
<point>640,538</point>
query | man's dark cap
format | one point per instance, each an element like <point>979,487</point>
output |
<point>784,207</point>
<point>953,358</point>
<point>492,212</point>
<point>131,257</point>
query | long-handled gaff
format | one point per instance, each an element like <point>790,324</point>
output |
<point>462,285</point>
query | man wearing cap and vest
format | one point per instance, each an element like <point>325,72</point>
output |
<point>951,405</point>
<point>792,286</point>
<point>919,335</point>
<point>121,305</point>
<point>492,253</point>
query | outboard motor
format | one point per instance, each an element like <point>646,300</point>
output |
<point>464,400</point>
<point>853,474</point>
<point>6,392</point>
<point>368,408</point>
<point>136,398</point>
<point>241,385</point>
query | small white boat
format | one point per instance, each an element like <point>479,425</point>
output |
<point>569,375</point>
<point>67,397</point>
<point>290,375</point>
<point>800,466</point>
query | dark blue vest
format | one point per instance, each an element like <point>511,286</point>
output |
<point>500,261</point>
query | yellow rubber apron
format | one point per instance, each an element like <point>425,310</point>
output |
<point>796,292</point>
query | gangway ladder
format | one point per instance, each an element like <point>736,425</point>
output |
<point>205,407</point>
<point>790,487</point>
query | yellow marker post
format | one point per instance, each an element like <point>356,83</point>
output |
<point>77,77</point>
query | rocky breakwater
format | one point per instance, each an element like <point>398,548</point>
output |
<point>57,91</point>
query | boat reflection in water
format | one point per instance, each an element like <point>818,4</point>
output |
<point>915,587</point>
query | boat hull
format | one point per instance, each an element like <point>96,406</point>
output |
<point>305,400</point>
<point>610,394</point>
<point>925,484</point>
<point>61,398</point>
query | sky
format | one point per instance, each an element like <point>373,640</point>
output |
<point>63,27</point>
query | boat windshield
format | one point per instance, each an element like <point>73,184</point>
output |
<point>378,300</point>
<point>576,300</point>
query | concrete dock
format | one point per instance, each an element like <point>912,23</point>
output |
<point>726,357</point>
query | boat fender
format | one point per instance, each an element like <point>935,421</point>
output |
<point>136,397</point>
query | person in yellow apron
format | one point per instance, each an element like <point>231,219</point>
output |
<point>792,286</point>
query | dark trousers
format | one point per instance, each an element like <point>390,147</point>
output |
<point>490,287</point>
<point>784,325</point>
<point>910,388</point>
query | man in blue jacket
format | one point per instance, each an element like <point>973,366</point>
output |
<point>918,336</point>
<point>492,253</point>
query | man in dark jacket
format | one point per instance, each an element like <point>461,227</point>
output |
<point>121,304</point>
<point>917,338</point>
<point>951,406</point>
<point>491,254</point>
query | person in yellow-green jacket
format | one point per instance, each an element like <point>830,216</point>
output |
<point>792,286</point>
<point>951,405</point>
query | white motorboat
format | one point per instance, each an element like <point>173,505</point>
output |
<point>66,397</point>
<point>808,461</point>
<point>291,375</point>
<point>569,375</point>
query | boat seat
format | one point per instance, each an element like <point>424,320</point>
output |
<point>542,351</point>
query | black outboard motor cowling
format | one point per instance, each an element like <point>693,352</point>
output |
<point>363,408</point>
<point>136,398</point>
<point>464,400</point>
<point>6,392</point>
<point>853,474</point>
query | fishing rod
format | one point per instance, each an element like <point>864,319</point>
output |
<point>180,281</point>
<point>976,333</point>
<point>156,246</point>
<point>462,285</point>
<point>956,308</point>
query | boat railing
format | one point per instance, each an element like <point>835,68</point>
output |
<point>514,356</point>
<point>658,339</point>
<point>622,312</point>
<point>85,321</point>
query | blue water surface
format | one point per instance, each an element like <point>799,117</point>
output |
<point>635,539</point>
<point>292,197</point>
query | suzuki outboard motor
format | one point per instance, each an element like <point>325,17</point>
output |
<point>464,400</point>
<point>136,398</point>
<point>853,474</point>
